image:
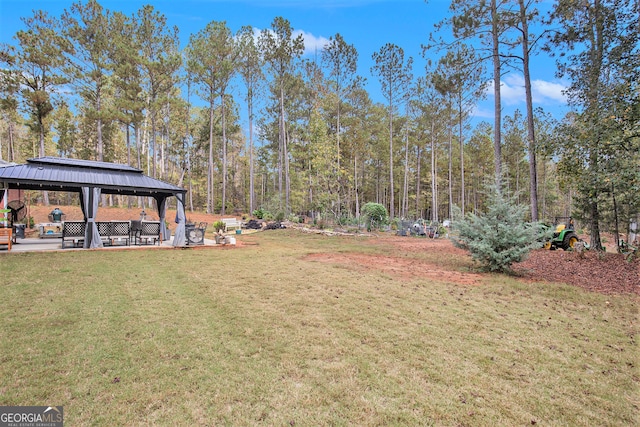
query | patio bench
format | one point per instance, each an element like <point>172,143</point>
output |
<point>231,223</point>
<point>114,231</point>
<point>6,237</point>
<point>147,231</point>
<point>73,232</point>
<point>120,232</point>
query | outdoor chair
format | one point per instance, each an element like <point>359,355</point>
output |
<point>6,237</point>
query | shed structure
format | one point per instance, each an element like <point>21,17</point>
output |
<point>91,179</point>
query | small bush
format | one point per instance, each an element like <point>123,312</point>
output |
<point>259,213</point>
<point>375,215</point>
<point>218,225</point>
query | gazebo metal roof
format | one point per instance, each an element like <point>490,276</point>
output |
<point>61,174</point>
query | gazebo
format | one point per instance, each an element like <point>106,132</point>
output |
<point>91,179</point>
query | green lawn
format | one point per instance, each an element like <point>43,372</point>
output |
<point>257,335</point>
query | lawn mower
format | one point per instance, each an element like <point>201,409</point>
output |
<point>564,235</point>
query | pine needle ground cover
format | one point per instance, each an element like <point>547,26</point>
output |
<point>283,331</point>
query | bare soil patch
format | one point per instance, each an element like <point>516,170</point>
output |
<point>605,273</point>
<point>402,267</point>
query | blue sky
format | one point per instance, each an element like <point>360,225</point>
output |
<point>367,24</point>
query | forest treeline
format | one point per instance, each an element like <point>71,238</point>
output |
<point>96,84</point>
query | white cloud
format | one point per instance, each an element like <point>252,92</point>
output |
<point>312,44</point>
<point>550,90</point>
<point>482,113</point>
<point>543,92</point>
<point>512,89</point>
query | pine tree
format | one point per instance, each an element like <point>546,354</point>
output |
<point>281,49</point>
<point>250,70</point>
<point>394,74</point>
<point>341,60</point>
<point>86,28</point>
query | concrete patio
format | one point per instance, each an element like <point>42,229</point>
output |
<point>31,244</point>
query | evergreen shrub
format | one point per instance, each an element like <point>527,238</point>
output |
<point>499,237</point>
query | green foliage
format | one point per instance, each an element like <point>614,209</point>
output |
<point>218,225</point>
<point>375,215</point>
<point>296,219</point>
<point>260,213</point>
<point>499,237</point>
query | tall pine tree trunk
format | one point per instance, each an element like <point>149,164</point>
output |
<point>434,177</point>
<point>460,136</point>
<point>418,181</point>
<point>100,147</point>
<point>224,157</point>
<point>152,144</point>
<point>391,190</point>
<point>450,168</point>
<point>286,174</point>
<point>339,171</point>
<point>252,195</point>
<point>355,180</point>
<point>45,194</point>
<point>533,171</point>
<point>497,141</point>
<point>11,148</point>
<point>281,145</point>
<point>405,188</point>
<point>210,182</point>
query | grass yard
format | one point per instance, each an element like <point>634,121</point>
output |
<point>270,333</point>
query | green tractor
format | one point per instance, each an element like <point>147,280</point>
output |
<point>564,235</point>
